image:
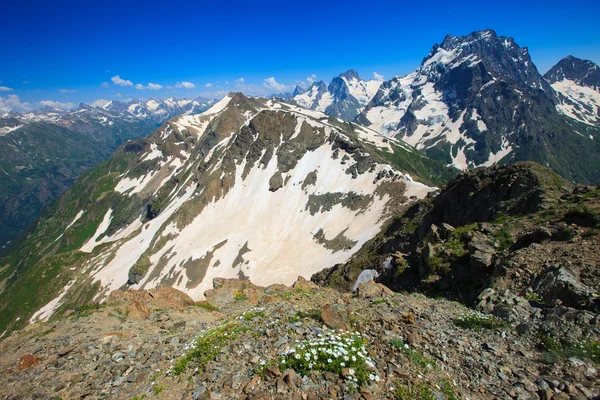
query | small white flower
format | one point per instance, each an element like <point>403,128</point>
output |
<point>343,364</point>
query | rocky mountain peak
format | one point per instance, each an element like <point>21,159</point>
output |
<point>500,56</point>
<point>298,90</point>
<point>350,75</point>
<point>451,41</point>
<point>582,72</point>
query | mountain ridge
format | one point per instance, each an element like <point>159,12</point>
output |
<point>193,181</point>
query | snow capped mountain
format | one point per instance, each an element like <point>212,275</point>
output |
<point>250,188</point>
<point>44,151</point>
<point>156,110</point>
<point>476,100</point>
<point>577,83</point>
<point>345,97</point>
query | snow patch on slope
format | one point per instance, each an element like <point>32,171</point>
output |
<point>584,104</point>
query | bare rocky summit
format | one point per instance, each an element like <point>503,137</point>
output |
<point>419,347</point>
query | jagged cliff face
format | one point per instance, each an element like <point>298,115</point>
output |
<point>250,188</point>
<point>478,100</point>
<point>577,83</point>
<point>345,97</point>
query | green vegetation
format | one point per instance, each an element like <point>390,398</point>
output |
<point>158,389</point>
<point>413,161</point>
<point>504,238</point>
<point>554,349</point>
<point>478,321</point>
<point>314,314</point>
<point>87,310</point>
<point>239,296</point>
<point>339,353</point>
<point>208,346</point>
<point>250,315</point>
<point>419,391</point>
<point>206,305</point>
<point>415,358</point>
<point>384,300</point>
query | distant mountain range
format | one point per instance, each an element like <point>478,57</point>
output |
<point>44,151</point>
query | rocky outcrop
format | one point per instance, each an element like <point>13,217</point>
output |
<point>413,344</point>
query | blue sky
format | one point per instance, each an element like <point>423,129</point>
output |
<point>71,51</point>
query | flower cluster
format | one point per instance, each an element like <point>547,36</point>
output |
<point>341,353</point>
<point>477,320</point>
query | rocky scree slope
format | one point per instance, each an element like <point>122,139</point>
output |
<point>252,188</point>
<point>478,100</point>
<point>242,344</point>
<point>517,242</point>
<point>44,151</point>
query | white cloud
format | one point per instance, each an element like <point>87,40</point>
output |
<point>311,79</point>
<point>67,90</point>
<point>208,85</point>
<point>272,85</point>
<point>378,77</point>
<point>218,94</point>
<point>5,89</point>
<point>100,103</point>
<point>154,86</point>
<point>13,103</point>
<point>185,85</point>
<point>239,82</point>
<point>120,82</point>
<point>118,95</point>
<point>139,86</point>
<point>57,104</point>
<point>105,85</point>
<point>227,82</point>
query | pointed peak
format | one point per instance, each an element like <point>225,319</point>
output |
<point>350,75</point>
<point>298,90</point>
<point>584,72</point>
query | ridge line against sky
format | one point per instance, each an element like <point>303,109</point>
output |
<point>61,54</point>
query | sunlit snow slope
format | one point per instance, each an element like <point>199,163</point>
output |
<point>250,188</point>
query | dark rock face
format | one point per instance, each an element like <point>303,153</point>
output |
<point>340,102</point>
<point>582,72</point>
<point>454,244</point>
<point>562,285</point>
<point>486,194</point>
<point>344,105</point>
<point>495,108</point>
